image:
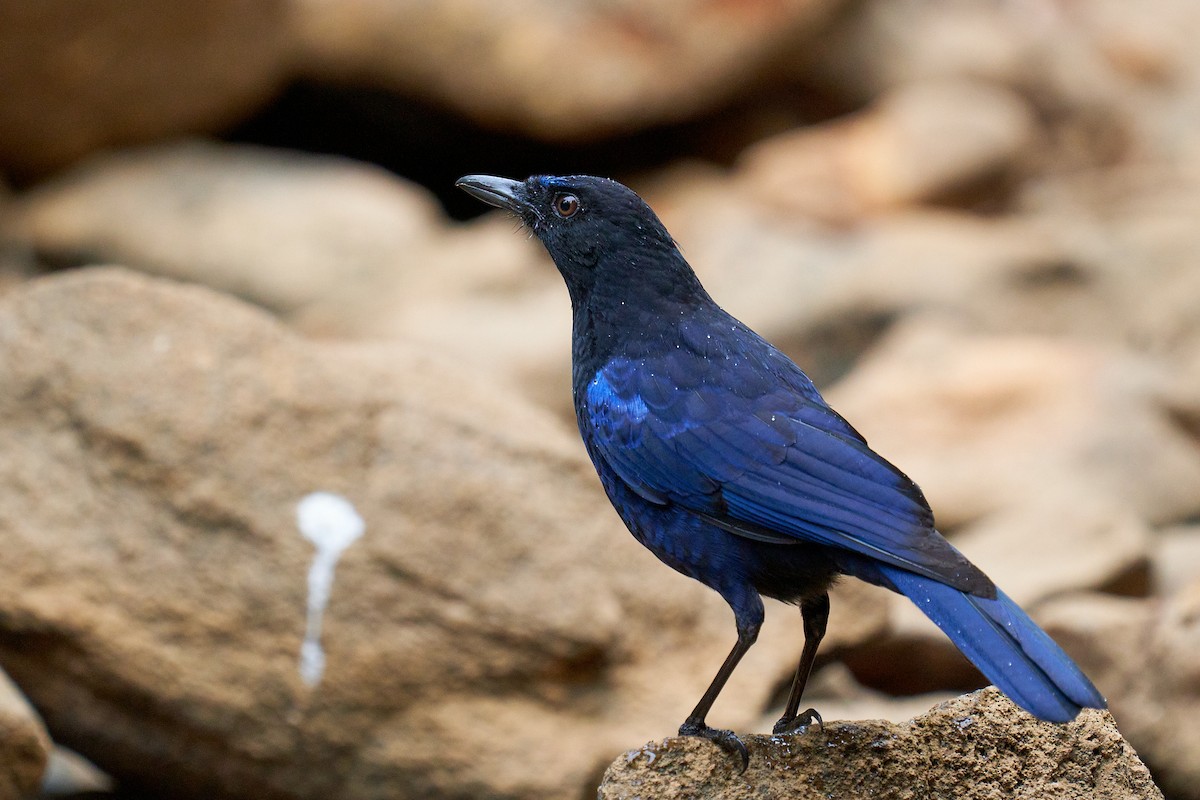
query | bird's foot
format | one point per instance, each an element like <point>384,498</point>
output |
<point>801,720</point>
<point>726,740</point>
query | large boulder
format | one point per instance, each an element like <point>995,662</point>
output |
<point>158,440</point>
<point>1111,79</point>
<point>973,747</point>
<point>916,144</point>
<point>338,248</point>
<point>552,69</point>
<point>282,229</point>
<point>84,76</point>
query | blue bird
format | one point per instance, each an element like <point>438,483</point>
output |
<point>722,458</point>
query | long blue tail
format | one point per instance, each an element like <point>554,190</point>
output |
<point>1005,644</point>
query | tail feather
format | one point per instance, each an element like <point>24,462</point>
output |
<point>1006,645</point>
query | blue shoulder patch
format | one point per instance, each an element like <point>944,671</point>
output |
<point>601,394</point>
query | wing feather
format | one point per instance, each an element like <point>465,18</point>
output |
<point>774,464</point>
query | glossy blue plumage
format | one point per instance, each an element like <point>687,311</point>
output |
<point>722,458</point>
<point>1006,645</point>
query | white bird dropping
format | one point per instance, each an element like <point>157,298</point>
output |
<point>331,523</point>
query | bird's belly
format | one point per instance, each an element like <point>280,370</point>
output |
<point>717,558</point>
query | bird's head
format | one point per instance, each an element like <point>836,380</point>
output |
<point>598,232</point>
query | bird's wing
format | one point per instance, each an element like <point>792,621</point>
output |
<point>761,456</point>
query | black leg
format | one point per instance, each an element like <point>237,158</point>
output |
<point>694,725</point>
<point>815,612</point>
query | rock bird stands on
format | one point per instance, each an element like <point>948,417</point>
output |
<point>723,459</point>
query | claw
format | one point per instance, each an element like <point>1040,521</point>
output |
<point>724,739</point>
<point>801,720</point>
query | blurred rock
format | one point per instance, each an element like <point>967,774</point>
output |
<point>1129,232</point>
<point>917,143</point>
<point>977,746</point>
<point>24,745</point>
<point>160,437</point>
<point>1035,553</point>
<point>883,45</point>
<point>985,423</point>
<point>837,695</point>
<point>557,70</point>
<point>16,262</point>
<point>1145,656</point>
<point>1111,80</point>
<point>82,76</point>
<point>340,249</point>
<point>282,229</point>
<point>1084,544</point>
<point>70,774</point>
<point>1176,558</point>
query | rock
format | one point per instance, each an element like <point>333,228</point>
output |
<point>891,44</point>
<point>1034,554</point>
<point>1127,232</point>
<point>1144,654</point>
<point>158,440</point>
<point>85,76</point>
<point>1078,545</point>
<point>834,692</point>
<point>993,422</point>
<point>918,143</point>
<point>69,773</point>
<point>1176,558</point>
<point>1112,81</point>
<point>24,745</point>
<point>977,746</point>
<point>340,249</point>
<point>16,262</point>
<point>628,65</point>
<point>284,230</point>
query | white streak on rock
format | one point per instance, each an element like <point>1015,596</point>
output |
<point>331,523</point>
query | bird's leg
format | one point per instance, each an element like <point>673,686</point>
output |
<point>815,612</point>
<point>694,725</point>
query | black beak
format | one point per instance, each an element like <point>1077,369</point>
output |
<point>498,192</point>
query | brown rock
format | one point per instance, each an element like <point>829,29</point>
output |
<point>159,438</point>
<point>627,65</point>
<point>1176,558</point>
<point>915,144</point>
<point>987,423</point>
<point>1127,234</point>
<point>891,44</point>
<point>1144,654</point>
<point>82,76</point>
<point>1112,79</point>
<point>24,745</point>
<point>1081,544</point>
<point>1035,554</point>
<point>976,746</point>
<point>282,229</point>
<point>340,249</point>
<point>834,692</point>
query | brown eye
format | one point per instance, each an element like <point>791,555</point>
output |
<point>565,205</point>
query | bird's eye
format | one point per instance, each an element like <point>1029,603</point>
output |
<point>565,205</point>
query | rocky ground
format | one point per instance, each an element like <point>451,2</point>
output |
<point>974,224</point>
